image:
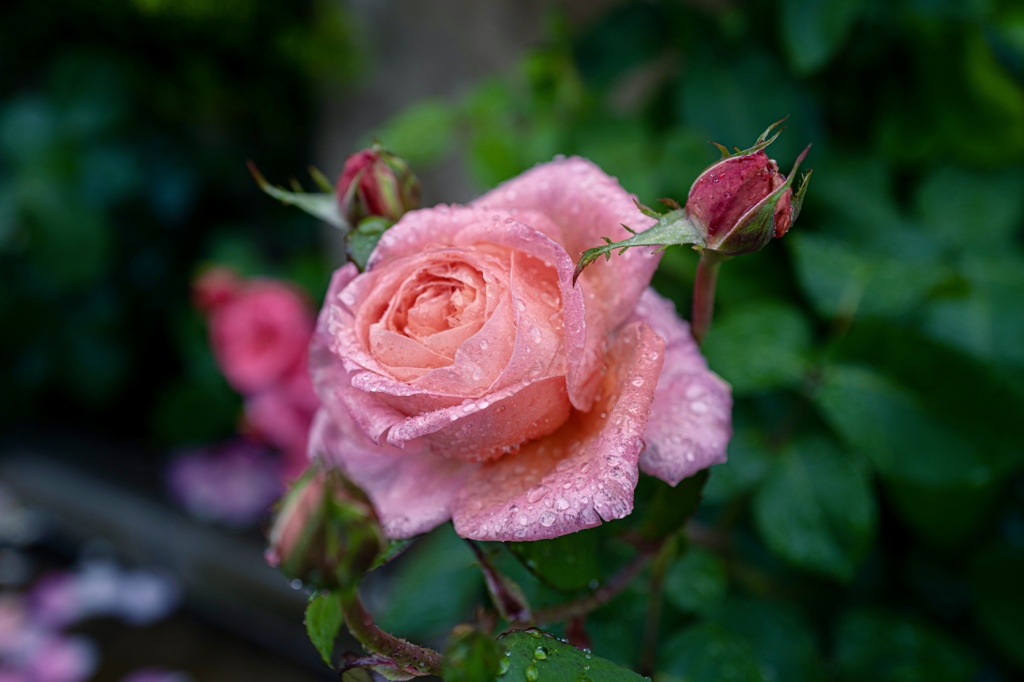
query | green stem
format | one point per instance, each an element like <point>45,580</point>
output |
<point>598,597</point>
<point>704,293</point>
<point>658,569</point>
<point>406,654</point>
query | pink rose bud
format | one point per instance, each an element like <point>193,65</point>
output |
<point>741,202</point>
<point>375,182</point>
<point>326,533</point>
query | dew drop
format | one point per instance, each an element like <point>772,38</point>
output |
<point>699,407</point>
<point>532,674</point>
<point>561,503</point>
<point>638,382</point>
<point>535,334</point>
<point>547,519</point>
<point>483,344</point>
<point>503,665</point>
<point>540,653</point>
<point>524,520</point>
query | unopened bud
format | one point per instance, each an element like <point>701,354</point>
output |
<point>741,202</point>
<point>326,532</point>
<point>471,655</point>
<point>375,182</point>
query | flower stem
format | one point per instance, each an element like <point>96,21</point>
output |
<point>704,293</point>
<point>658,569</point>
<point>598,597</point>
<point>416,659</point>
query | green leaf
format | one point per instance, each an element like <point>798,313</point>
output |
<point>321,206</point>
<point>323,623</point>
<point>816,509</point>
<point>988,321</point>
<point>569,562</point>
<point>749,462</point>
<point>672,228</point>
<point>361,241</point>
<point>665,508</point>
<point>813,30</point>
<point>696,583</point>
<point>877,646</point>
<point>998,599</point>
<point>710,653</point>
<point>843,282</point>
<point>423,133</point>
<point>888,425</point>
<point>971,209</point>
<point>780,634</point>
<point>534,656</point>
<point>434,584</point>
<point>945,516</point>
<point>760,346</point>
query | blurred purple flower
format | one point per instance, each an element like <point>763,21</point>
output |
<point>156,675</point>
<point>63,659</point>
<point>100,588</point>
<point>234,483</point>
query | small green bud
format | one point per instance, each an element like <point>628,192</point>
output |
<point>326,532</point>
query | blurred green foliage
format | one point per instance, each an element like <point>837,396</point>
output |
<point>869,522</point>
<point>124,131</point>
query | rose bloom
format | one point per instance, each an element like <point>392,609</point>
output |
<point>464,377</point>
<point>259,328</point>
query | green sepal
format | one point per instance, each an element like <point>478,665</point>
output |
<point>361,241</point>
<point>323,623</point>
<point>673,227</point>
<point>321,206</point>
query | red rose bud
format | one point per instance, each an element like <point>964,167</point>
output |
<point>375,182</point>
<point>740,203</point>
<point>326,532</point>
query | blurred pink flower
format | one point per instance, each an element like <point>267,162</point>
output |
<point>281,415</point>
<point>463,375</point>
<point>259,328</point>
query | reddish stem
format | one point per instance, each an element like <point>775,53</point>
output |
<point>704,293</point>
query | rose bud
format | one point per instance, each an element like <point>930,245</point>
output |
<point>326,533</point>
<point>741,202</point>
<point>375,182</point>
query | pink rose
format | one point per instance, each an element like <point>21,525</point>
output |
<point>259,329</point>
<point>464,377</point>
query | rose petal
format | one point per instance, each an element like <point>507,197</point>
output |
<point>690,422</point>
<point>479,430</point>
<point>411,491</point>
<point>587,205</point>
<point>584,472</point>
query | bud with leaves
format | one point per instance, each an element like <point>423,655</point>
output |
<point>376,183</point>
<point>326,532</point>
<point>741,202</point>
